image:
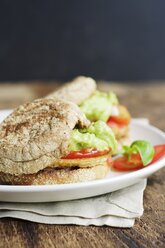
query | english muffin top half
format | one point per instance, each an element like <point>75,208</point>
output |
<point>36,133</point>
<point>75,91</point>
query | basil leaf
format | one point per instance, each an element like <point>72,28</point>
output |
<point>128,150</point>
<point>145,149</point>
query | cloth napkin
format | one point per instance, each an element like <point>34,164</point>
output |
<point>117,209</point>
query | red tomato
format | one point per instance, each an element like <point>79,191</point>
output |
<point>85,153</point>
<point>112,123</point>
<point>122,119</point>
<point>135,162</point>
<point>159,152</point>
<point>122,163</point>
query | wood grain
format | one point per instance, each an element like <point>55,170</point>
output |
<point>149,231</point>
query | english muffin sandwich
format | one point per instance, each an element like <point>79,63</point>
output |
<point>96,105</point>
<point>50,141</point>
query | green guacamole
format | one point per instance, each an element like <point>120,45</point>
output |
<point>98,135</point>
<point>99,106</point>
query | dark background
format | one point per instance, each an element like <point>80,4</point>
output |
<point>107,39</point>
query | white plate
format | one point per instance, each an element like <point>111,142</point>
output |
<point>113,181</point>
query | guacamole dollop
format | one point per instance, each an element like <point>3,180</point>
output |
<point>99,106</point>
<point>98,135</point>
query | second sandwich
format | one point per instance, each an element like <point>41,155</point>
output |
<point>96,105</point>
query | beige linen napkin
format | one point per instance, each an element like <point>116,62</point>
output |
<point>118,209</point>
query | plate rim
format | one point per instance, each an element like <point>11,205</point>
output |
<point>104,181</point>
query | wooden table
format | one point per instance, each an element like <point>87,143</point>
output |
<point>149,231</point>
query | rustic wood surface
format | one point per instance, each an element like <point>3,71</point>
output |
<point>149,231</point>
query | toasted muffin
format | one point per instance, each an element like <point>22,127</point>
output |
<point>75,91</point>
<point>58,175</point>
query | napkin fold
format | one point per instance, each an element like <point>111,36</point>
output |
<point>117,209</point>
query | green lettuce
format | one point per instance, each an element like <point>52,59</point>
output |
<point>98,135</point>
<point>99,106</point>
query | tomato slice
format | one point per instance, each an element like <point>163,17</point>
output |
<point>135,162</point>
<point>112,123</point>
<point>122,119</point>
<point>159,152</point>
<point>86,153</point>
<point>123,164</point>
